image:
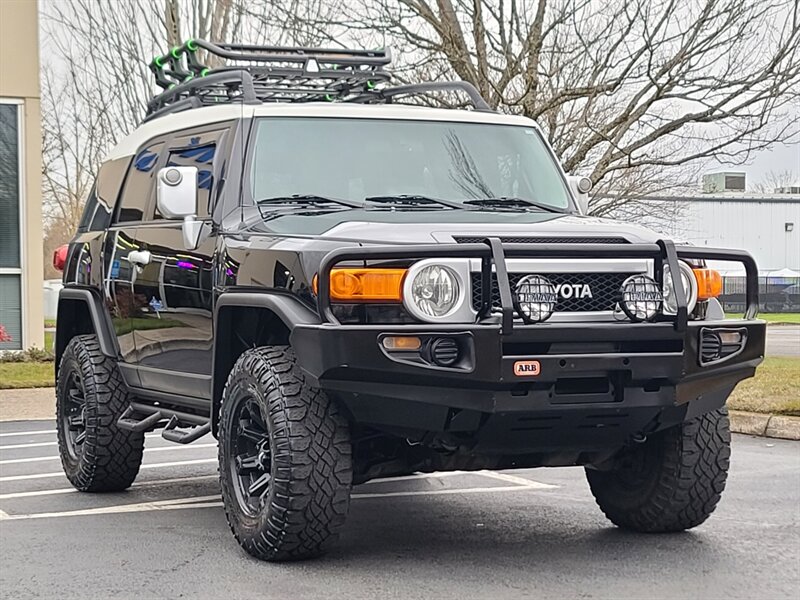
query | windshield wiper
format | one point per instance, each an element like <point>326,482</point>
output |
<point>306,200</point>
<point>412,200</point>
<point>511,202</point>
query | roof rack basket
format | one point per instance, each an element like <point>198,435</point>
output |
<point>257,74</point>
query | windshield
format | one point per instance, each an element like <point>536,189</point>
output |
<point>359,159</point>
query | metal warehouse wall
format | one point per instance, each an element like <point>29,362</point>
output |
<point>758,226</point>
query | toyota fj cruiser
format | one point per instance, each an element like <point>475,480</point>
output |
<point>341,287</point>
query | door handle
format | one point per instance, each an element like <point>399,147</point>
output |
<point>139,257</point>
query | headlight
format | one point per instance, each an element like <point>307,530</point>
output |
<point>689,288</point>
<point>437,291</point>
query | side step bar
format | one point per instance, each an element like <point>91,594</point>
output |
<point>143,417</point>
<point>173,434</point>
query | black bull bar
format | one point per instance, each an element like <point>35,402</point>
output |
<point>493,252</point>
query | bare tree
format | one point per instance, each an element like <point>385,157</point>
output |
<point>632,90</point>
<point>96,81</point>
<point>772,181</point>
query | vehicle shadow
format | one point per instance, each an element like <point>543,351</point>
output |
<point>522,528</point>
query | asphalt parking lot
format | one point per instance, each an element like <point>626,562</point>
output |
<point>527,533</point>
<point>783,340</point>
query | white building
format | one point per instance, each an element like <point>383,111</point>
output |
<point>767,226</point>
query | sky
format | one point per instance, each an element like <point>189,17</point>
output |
<point>780,158</point>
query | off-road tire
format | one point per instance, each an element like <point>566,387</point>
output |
<point>110,457</point>
<point>671,482</point>
<point>308,496</point>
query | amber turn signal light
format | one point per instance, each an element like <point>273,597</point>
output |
<point>365,285</point>
<point>402,342</point>
<point>709,283</point>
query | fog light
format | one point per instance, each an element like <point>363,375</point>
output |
<point>535,298</point>
<point>444,352</point>
<point>401,342</point>
<point>641,298</point>
<point>720,344</point>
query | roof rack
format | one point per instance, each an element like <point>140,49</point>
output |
<point>257,74</point>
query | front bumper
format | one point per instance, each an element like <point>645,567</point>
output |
<point>651,378</point>
<point>597,386</point>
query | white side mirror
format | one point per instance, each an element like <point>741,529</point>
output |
<point>581,186</point>
<point>176,198</point>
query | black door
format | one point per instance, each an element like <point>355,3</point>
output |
<point>173,331</point>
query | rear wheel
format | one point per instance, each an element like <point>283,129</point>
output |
<point>284,458</point>
<point>97,456</point>
<point>671,482</point>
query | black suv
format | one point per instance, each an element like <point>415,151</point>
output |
<point>340,287</point>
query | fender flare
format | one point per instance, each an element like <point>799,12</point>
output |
<point>287,307</point>
<point>101,321</point>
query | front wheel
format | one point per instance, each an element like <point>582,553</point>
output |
<point>671,482</point>
<point>284,458</point>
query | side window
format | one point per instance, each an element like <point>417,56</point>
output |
<point>139,184</point>
<point>88,210</point>
<point>199,150</point>
<point>103,196</point>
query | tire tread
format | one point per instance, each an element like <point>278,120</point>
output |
<point>112,456</point>
<point>688,483</point>
<point>313,472</point>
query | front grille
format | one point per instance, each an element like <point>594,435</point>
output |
<point>465,239</point>
<point>605,290</point>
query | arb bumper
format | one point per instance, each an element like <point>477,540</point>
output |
<point>528,388</point>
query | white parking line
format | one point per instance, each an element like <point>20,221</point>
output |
<point>515,479</point>
<point>153,466</point>
<point>418,476</point>
<point>14,461</point>
<point>105,510</point>
<point>35,432</point>
<point>36,445</point>
<point>213,501</point>
<point>70,490</point>
<point>157,482</point>
<point>54,443</point>
<point>481,490</point>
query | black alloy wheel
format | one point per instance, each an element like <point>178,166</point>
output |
<point>74,417</point>
<point>252,464</point>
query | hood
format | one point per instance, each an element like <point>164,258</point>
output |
<point>555,226</point>
<point>427,227</point>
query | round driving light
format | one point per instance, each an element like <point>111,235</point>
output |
<point>435,291</point>
<point>641,298</point>
<point>444,351</point>
<point>535,298</point>
<point>689,283</point>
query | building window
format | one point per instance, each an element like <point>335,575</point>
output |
<point>10,259</point>
<point>10,312</point>
<point>734,183</point>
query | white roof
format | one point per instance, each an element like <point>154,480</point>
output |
<point>216,114</point>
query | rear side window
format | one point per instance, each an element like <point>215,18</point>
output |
<point>103,196</point>
<point>199,149</point>
<point>139,184</point>
<point>201,157</point>
<point>88,211</point>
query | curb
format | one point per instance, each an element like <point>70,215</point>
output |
<point>771,426</point>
